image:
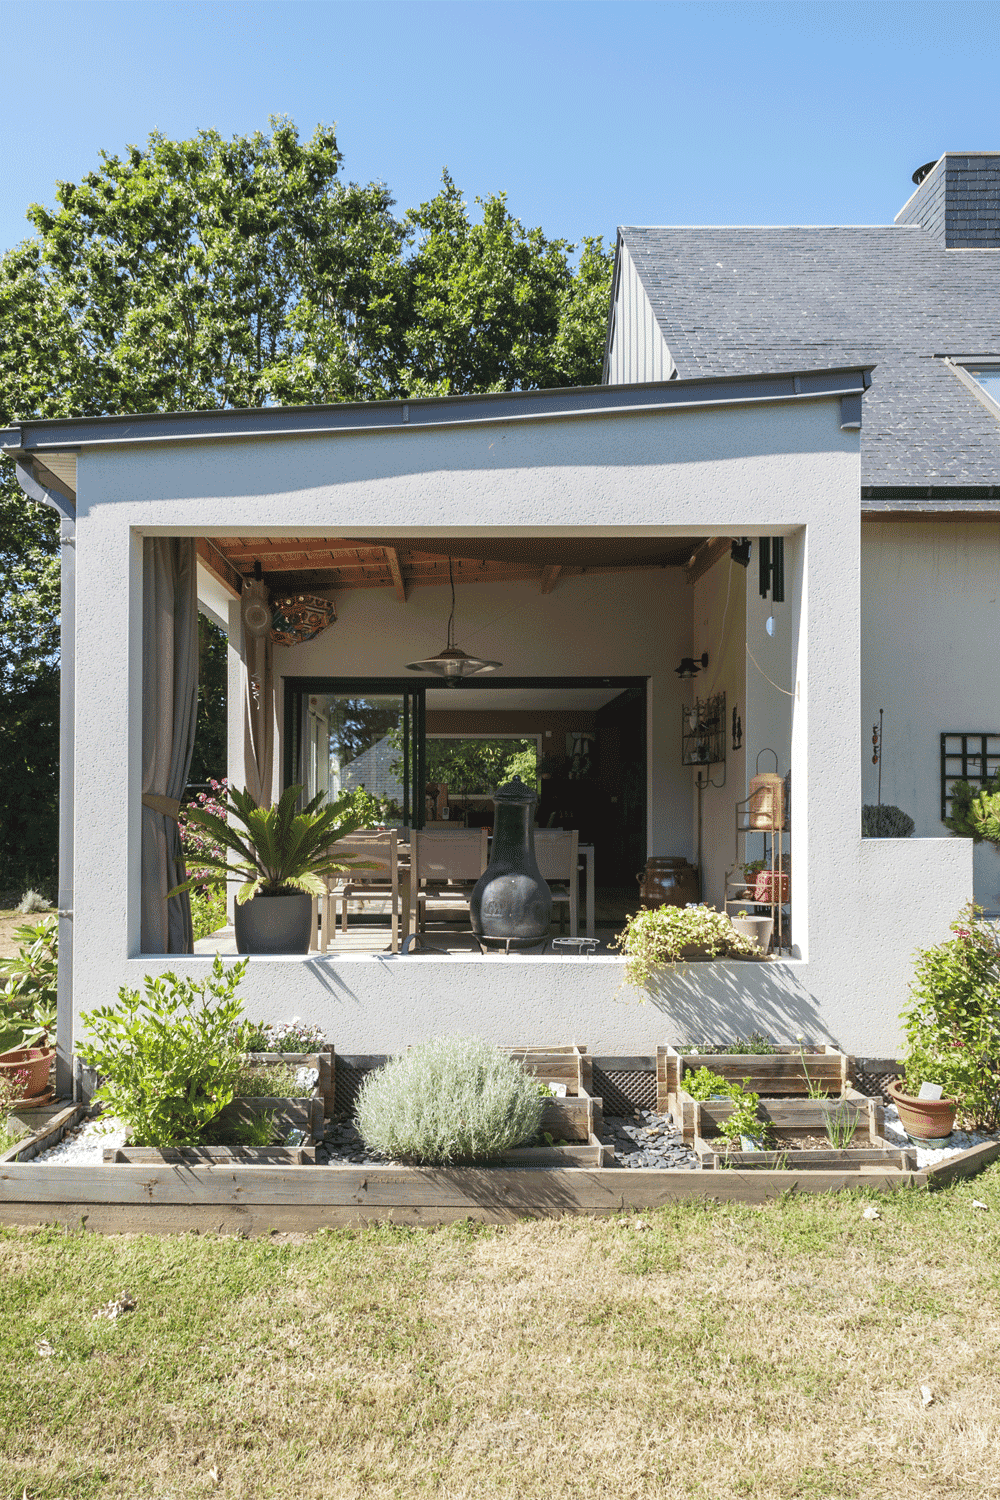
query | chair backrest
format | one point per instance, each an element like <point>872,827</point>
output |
<point>372,848</point>
<point>556,851</point>
<point>453,854</point>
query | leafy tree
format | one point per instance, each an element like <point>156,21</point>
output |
<point>211,273</point>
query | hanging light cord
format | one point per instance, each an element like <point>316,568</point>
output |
<point>760,669</point>
<point>451,617</point>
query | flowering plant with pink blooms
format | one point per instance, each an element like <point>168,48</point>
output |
<point>196,841</point>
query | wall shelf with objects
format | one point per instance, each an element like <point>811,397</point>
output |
<point>703,732</point>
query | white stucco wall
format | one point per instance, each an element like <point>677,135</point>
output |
<point>699,472</point>
<point>930,644</point>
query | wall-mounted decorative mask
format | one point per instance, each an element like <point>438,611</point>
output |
<point>300,617</point>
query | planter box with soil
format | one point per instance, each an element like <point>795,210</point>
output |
<point>782,1074</point>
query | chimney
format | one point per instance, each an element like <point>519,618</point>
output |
<point>958,200</point>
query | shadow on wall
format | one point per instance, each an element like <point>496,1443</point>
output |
<point>719,1001</point>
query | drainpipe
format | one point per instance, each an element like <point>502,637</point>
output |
<point>42,495</point>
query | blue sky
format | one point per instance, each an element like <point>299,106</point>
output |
<point>588,114</point>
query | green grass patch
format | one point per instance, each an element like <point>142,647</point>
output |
<point>699,1350</point>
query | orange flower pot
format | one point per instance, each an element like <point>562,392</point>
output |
<point>34,1062</point>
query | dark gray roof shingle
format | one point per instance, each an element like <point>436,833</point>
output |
<point>740,300</point>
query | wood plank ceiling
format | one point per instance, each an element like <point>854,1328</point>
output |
<point>322,564</point>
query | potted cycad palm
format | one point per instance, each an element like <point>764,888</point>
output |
<point>281,855</point>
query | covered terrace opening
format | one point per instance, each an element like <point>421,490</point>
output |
<point>584,700</point>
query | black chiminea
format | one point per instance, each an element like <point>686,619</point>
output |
<point>511,904</point>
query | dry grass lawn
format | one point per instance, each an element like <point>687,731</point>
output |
<point>697,1351</point>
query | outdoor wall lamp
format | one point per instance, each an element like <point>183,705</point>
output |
<point>690,668</point>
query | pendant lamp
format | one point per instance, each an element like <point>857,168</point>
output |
<point>452,663</point>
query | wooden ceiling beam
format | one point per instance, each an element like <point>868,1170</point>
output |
<point>220,568</point>
<point>706,556</point>
<point>399,584</point>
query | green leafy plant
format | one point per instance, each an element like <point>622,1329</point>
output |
<point>208,910</point>
<point>270,1082</point>
<point>969,804</point>
<point>28,996</point>
<point>279,850</point>
<point>756,1044</point>
<point>255,1130</point>
<point>370,810</point>
<point>984,816</point>
<point>703,1084</point>
<point>448,1099</point>
<point>952,1022</point>
<point>168,1060</point>
<point>885,822</point>
<point>745,1120</point>
<point>667,934</point>
<point>753,868</point>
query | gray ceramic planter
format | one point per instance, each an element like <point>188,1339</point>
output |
<point>274,924</point>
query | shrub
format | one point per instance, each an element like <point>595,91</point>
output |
<point>661,936</point>
<point>450,1099</point>
<point>31,902</point>
<point>969,804</point>
<point>28,997</point>
<point>885,823</point>
<point>702,1083</point>
<point>168,1062</point>
<point>952,1023</point>
<point>208,909</point>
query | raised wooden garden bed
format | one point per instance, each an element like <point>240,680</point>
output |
<point>781,1074</point>
<point>210,1156</point>
<point>704,1118</point>
<point>324,1062</point>
<point>261,1190</point>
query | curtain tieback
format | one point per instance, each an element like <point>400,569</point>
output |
<point>167,807</point>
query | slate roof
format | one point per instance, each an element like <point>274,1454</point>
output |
<point>733,300</point>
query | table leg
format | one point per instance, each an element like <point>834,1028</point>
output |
<point>590,892</point>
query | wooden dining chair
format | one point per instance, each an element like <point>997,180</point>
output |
<point>387,877</point>
<point>557,855</point>
<point>445,864</point>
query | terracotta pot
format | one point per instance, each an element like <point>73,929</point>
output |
<point>34,1061</point>
<point>924,1120</point>
<point>769,881</point>
<point>668,880</point>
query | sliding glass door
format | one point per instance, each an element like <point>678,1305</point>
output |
<point>341,737</point>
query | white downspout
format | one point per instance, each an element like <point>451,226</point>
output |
<point>66,509</point>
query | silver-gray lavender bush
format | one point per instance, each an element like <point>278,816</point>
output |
<point>449,1099</point>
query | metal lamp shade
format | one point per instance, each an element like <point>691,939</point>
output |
<point>452,664</point>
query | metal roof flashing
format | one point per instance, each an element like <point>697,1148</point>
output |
<point>64,436</point>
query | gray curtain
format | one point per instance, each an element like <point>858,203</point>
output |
<point>169,713</point>
<point>258,693</point>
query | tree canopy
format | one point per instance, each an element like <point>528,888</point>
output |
<point>232,273</point>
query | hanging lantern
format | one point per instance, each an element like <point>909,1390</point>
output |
<point>766,803</point>
<point>300,617</point>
